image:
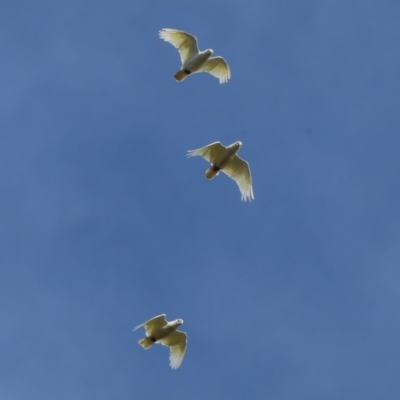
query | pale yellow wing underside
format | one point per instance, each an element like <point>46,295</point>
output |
<point>210,152</point>
<point>183,41</point>
<point>177,344</point>
<point>239,171</point>
<point>153,325</point>
<point>217,67</point>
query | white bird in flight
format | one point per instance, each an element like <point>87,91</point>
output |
<point>194,60</point>
<point>159,330</point>
<point>225,159</point>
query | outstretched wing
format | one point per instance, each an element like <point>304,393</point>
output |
<point>239,170</point>
<point>217,67</point>
<point>183,41</point>
<point>210,152</point>
<point>153,325</point>
<point>177,344</point>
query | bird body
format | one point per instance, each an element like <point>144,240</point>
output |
<point>225,159</point>
<point>222,160</point>
<point>194,60</point>
<point>159,330</point>
<point>162,333</point>
<point>193,65</point>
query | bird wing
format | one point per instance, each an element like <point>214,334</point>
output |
<point>210,152</point>
<point>183,41</point>
<point>217,67</point>
<point>177,344</point>
<point>153,325</point>
<point>239,171</point>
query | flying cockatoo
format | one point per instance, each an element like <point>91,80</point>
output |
<point>194,60</point>
<point>159,330</point>
<point>225,159</point>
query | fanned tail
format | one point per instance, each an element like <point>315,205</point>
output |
<point>211,172</point>
<point>147,342</point>
<point>181,75</point>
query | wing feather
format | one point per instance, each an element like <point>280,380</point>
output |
<point>153,325</point>
<point>239,171</point>
<point>183,41</point>
<point>210,152</point>
<point>217,67</point>
<point>177,344</point>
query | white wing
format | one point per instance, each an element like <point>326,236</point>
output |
<point>183,41</point>
<point>153,325</point>
<point>210,152</point>
<point>177,343</point>
<point>217,67</point>
<point>239,171</point>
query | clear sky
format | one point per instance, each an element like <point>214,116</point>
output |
<point>105,223</point>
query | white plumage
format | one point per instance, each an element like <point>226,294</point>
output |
<point>194,60</point>
<point>225,159</point>
<point>159,330</point>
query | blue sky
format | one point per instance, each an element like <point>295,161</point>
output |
<point>105,223</point>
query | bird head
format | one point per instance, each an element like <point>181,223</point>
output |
<point>176,323</point>
<point>234,148</point>
<point>209,52</point>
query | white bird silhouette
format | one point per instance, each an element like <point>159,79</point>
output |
<point>159,330</point>
<point>194,60</point>
<point>225,159</point>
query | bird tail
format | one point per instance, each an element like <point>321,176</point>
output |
<point>181,75</point>
<point>146,342</point>
<point>211,172</point>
